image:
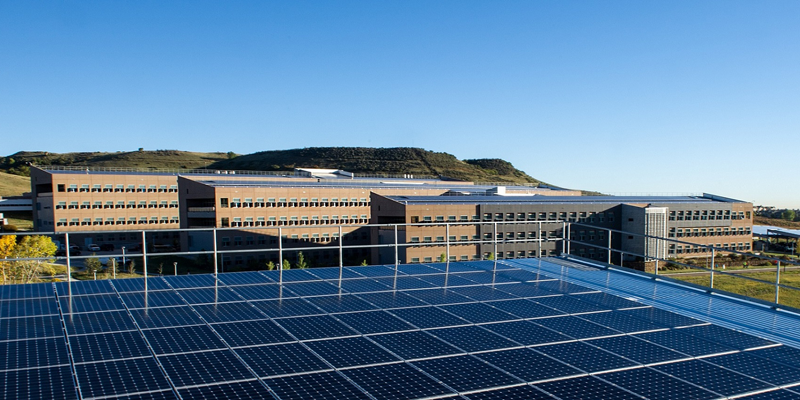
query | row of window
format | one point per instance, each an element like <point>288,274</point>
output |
<point>699,232</point>
<point>705,215</point>
<point>294,238</point>
<point>118,221</point>
<point>261,259</point>
<point>487,256</point>
<point>283,220</point>
<point>224,202</point>
<point>521,216</point>
<point>688,249</point>
<point>486,236</point>
<point>86,205</point>
<point>109,188</point>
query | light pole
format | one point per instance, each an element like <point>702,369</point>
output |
<point>175,264</point>
<point>123,257</point>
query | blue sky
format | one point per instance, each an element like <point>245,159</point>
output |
<point>615,96</point>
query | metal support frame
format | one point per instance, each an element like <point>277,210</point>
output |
<point>69,265</point>
<point>609,247</point>
<point>777,282</point>
<point>144,258</point>
<point>280,255</point>
<point>494,267</point>
<point>216,257</point>
<point>713,266</point>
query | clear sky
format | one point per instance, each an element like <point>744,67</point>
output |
<point>614,96</point>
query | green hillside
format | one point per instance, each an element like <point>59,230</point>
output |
<point>364,160</point>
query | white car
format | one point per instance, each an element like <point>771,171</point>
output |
<point>93,247</point>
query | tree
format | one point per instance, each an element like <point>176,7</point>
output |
<point>40,247</point>
<point>301,261</point>
<point>7,244</point>
<point>270,265</point>
<point>788,215</point>
<point>491,257</point>
<point>442,257</point>
<point>286,264</point>
<point>132,267</point>
<point>92,265</point>
<point>364,263</point>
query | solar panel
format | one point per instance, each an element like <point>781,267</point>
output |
<point>244,336</point>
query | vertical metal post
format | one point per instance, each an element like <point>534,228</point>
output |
<point>175,266</point>
<point>69,265</point>
<point>216,257</point>
<point>144,259</point>
<point>341,253</point>
<point>656,257</point>
<point>447,247</point>
<point>609,247</point>
<point>494,267</point>
<point>564,237</point>
<point>396,251</point>
<point>280,254</point>
<point>777,282</point>
<point>713,266</point>
<point>539,243</point>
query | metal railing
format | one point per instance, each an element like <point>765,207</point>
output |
<point>557,239</point>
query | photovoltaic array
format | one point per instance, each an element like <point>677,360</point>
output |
<point>480,331</point>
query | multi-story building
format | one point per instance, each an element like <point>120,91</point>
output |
<point>467,227</point>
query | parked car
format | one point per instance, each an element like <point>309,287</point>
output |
<point>107,247</point>
<point>93,247</point>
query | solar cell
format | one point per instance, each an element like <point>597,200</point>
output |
<point>712,377</point>
<point>190,281</point>
<point>586,388</point>
<point>525,308</point>
<point>784,354</point>
<point>344,303</point>
<point>756,367</point>
<point>100,302</point>
<point>204,368</point>
<point>650,384</point>
<point>773,395</point>
<point>560,286</point>
<point>312,288</point>
<point>333,273</point>
<point>373,271</point>
<point>606,300</point>
<point>165,317</point>
<point>108,346</point>
<point>428,317</point>
<point>368,322</point>
<point>287,308</point>
<point>38,383</point>
<point>363,285</point>
<point>526,289</point>
<point>109,321</point>
<point>727,337</point>
<point>482,277</point>
<point>349,352</point>
<point>30,327</point>
<point>315,327</point>
<point>512,393</point>
<point>449,281</point>
<point>281,359</point>
<point>526,332</point>
<point>28,291</point>
<point>661,317</point>
<point>28,307</point>
<point>519,275</point>
<point>417,269</point>
<point>227,312</point>
<point>115,378</point>
<point>620,322</point>
<point>465,373</point>
<point>405,282</point>
<point>324,385</point>
<point>683,343</point>
<point>84,287</point>
<point>183,339</point>
<point>637,350</point>
<point>529,365</point>
<point>439,296</point>
<point>473,338</point>
<point>151,299</point>
<point>389,300</point>
<point>209,295</point>
<point>478,312</point>
<point>292,275</point>
<point>568,304</point>
<point>575,327</point>
<point>243,278</point>
<point>484,293</point>
<point>33,353</point>
<point>262,292</point>
<point>159,395</point>
<point>585,357</point>
<point>395,381</point>
<point>252,333</point>
<point>415,344</point>
<point>233,390</point>
<point>137,285</point>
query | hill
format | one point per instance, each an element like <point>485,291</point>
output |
<point>378,161</point>
<point>13,185</point>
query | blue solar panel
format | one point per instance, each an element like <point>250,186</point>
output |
<point>525,308</point>
<point>34,353</point>
<point>575,327</point>
<point>281,359</point>
<point>345,303</point>
<point>473,338</point>
<point>234,390</point>
<point>227,312</point>
<point>712,377</point>
<point>415,344</point>
<point>152,299</point>
<point>137,285</point>
<point>479,312</point>
<point>38,383</point>
<point>428,317</point>
<point>109,321</point>
<point>190,281</point>
<point>84,287</point>
<point>115,378</point>
<point>783,354</point>
<point>466,373</point>
<point>262,292</point>
<point>559,286</point>
<point>368,322</point>
<point>683,343</point>
<point>244,278</point>
<point>312,288</point>
<point>637,350</point>
<point>727,337</point>
<point>30,327</point>
<point>529,365</point>
<point>204,368</point>
<point>526,332</point>
<point>29,291</point>
<point>292,275</point>
<point>620,322</point>
<point>568,304</point>
<point>183,339</point>
<point>442,280</point>
<point>527,290</point>
<point>405,282</point>
<point>108,346</point>
<point>389,300</point>
<point>417,269</point>
<point>439,296</point>
<point>512,393</point>
<point>395,381</point>
<point>773,395</point>
<point>333,273</point>
<point>350,352</point>
<point>606,300</point>
<point>252,333</point>
<point>364,285</point>
<point>209,295</point>
<point>650,384</point>
<point>761,368</point>
<point>100,302</point>
<point>585,388</point>
<point>28,307</point>
<point>165,317</point>
<point>484,293</point>
<point>159,395</point>
<point>584,356</point>
<point>315,327</point>
<point>373,271</point>
<point>323,385</point>
<point>287,308</point>
<point>485,277</point>
<point>660,317</point>
<point>519,275</point>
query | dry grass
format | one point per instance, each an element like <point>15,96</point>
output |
<point>758,290</point>
<point>13,185</point>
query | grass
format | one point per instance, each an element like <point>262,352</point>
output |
<point>13,185</point>
<point>23,220</point>
<point>758,290</point>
